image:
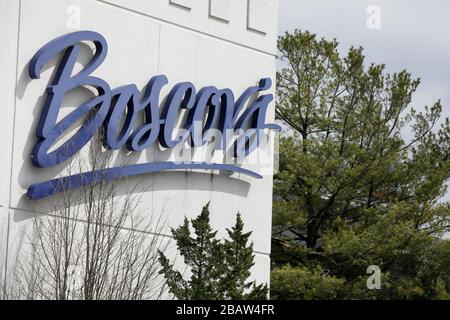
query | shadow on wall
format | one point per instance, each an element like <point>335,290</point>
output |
<point>176,180</point>
<point>196,181</point>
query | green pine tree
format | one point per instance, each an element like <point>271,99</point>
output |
<point>239,259</point>
<point>219,270</point>
<point>352,190</point>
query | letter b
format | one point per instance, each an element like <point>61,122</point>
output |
<point>93,111</point>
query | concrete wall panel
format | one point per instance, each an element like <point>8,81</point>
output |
<point>145,38</point>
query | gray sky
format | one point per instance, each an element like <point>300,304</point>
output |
<point>413,35</point>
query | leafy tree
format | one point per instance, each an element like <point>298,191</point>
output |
<point>219,268</point>
<point>361,176</point>
<point>302,283</point>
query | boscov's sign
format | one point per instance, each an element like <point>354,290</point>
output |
<point>115,111</point>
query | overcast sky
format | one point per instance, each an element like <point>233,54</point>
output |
<point>413,35</point>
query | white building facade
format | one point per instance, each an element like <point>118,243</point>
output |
<point>225,44</point>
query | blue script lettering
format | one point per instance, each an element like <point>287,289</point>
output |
<point>117,111</point>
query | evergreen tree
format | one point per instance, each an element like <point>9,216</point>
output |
<point>351,191</point>
<point>219,269</point>
<point>238,260</point>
